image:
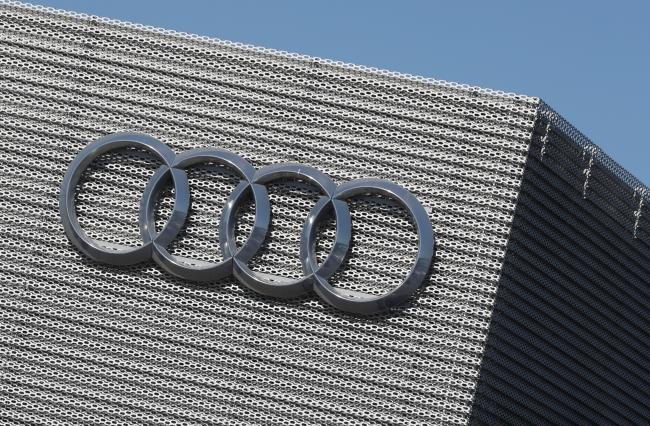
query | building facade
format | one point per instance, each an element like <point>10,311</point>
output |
<point>535,309</point>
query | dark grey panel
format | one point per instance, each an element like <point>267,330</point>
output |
<point>569,340</point>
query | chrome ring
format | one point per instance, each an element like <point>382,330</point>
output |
<point>105,252</point>
<point>358,302</point>
<point>276,285</point>
<point>190,269</point>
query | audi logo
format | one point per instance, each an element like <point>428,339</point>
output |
<point>235,260</point>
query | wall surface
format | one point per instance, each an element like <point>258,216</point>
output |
<point>569,338</point>
<point>82,341</point>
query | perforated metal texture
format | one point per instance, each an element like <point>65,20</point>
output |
<point>83,342</point>
<point>568,341</point>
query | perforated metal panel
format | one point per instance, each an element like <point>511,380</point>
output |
<point>568,340</point>
<point>83,342</point>
<point>87,342</point>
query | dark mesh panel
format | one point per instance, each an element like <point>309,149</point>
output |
<point>570,333</point>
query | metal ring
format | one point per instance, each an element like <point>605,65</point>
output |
<point>182,267</point>
<point>358,302</point>
<point>102,251</point>
<point>276,285</point>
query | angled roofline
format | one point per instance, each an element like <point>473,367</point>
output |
<point>560,124</point>
<point>544,110</point>
<point>278,54</point>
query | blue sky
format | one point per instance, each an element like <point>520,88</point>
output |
<point>590,60</point>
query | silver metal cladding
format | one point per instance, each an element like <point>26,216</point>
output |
<point>235,260</point>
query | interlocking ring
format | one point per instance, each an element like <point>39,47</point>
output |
<point>359,302</point>
<point>275,285</point>
<point>196,270</point>
<point>235,259</point>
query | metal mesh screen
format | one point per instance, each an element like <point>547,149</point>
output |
<point>82,342</point>
<point>568,341</point>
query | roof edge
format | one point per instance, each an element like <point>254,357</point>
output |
<point>281,54</point>
<point>544,109</point>
<point>572,133</point>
